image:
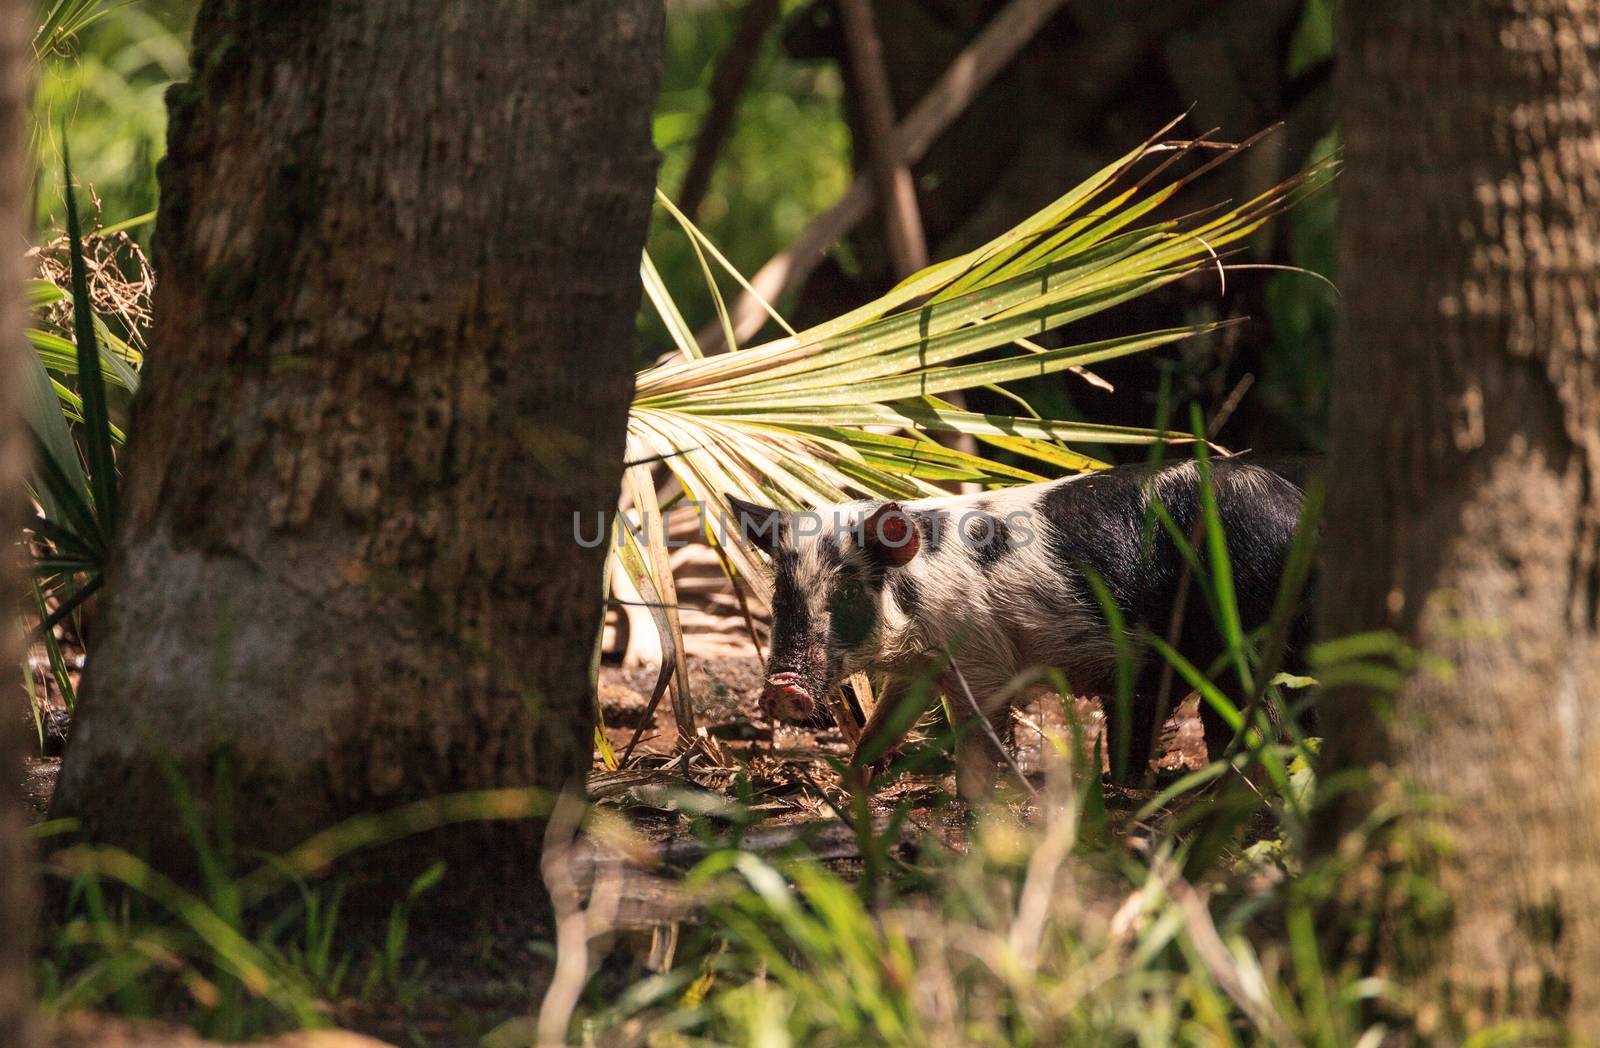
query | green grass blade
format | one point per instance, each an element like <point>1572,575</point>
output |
<point>128,223</point>
<point>1227,605</point>
<point>91,381</point>
<point>667,309</point>
<point>700,240</point>
<point>42,412</point>
<point>1122,745</point>
<point>67,606</point>
<point>58,660</point>
<point>76,513</point>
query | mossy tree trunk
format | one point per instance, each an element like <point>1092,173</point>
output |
<point>1464,495</point>
<point>17,914</point>
<point>392,358</point>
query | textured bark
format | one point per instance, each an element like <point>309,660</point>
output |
<point>392,358</point>
<point>17,914</point>
<point>1464,496</point>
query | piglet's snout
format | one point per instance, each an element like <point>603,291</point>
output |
<point>784,698</point>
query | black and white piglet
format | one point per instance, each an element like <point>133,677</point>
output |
<point>999,581</point>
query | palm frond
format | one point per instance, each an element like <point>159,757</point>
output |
<point>849,408</point>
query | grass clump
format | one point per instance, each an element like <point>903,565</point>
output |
<point>1036,933</point>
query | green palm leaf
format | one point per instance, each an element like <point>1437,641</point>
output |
<point>848,408</point>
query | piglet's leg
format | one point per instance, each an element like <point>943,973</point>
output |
<point>975,765</point>
<point>983,731</point>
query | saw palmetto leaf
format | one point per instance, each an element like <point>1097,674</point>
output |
<point>75,478</point>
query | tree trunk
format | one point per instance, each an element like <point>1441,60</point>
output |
<point>17,915</point>
<point>1464,495</point>
<point>392,358</point>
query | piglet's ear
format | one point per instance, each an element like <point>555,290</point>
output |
<point>757,525</point>
<point>890,536</point>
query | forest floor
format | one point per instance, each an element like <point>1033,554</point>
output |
<point>787,786</point>
<point>793,793</point>
<point>787,765</point>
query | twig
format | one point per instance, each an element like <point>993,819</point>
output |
<point>897,193</point>
<point>1229,406</point>
<point>727,87</point>
<point>1174,628</point>
<point>1175,621</point>
<point>988,729</point>
<point>1180,606</point>
<point>895,189</point>
<point>738,593</point>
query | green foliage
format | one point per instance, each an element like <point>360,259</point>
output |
<point>1205,917</point>
<point>76,479</point>
<point>392,956</point>
<point>1313,36</point>
<point>133,933</point>
<point>106,951</point>
<point>103,67</point>
<point>62,21</point>
<point>250,951</point>
<point>788,157</point>
<point>1031,935</point>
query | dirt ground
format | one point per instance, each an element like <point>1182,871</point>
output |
<point>786,764</point>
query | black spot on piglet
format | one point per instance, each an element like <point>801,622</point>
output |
<point>988,538</point>
<point>933,524</point>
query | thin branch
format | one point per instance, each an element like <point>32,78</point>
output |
<point>1180,606</point>
<point>897,193</point>
<point>963,80</point>
<point>891,174</point>
<point>1104,65</point>
<point>575,925</point>
<point>988,728</point>
<point>727,87</point>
